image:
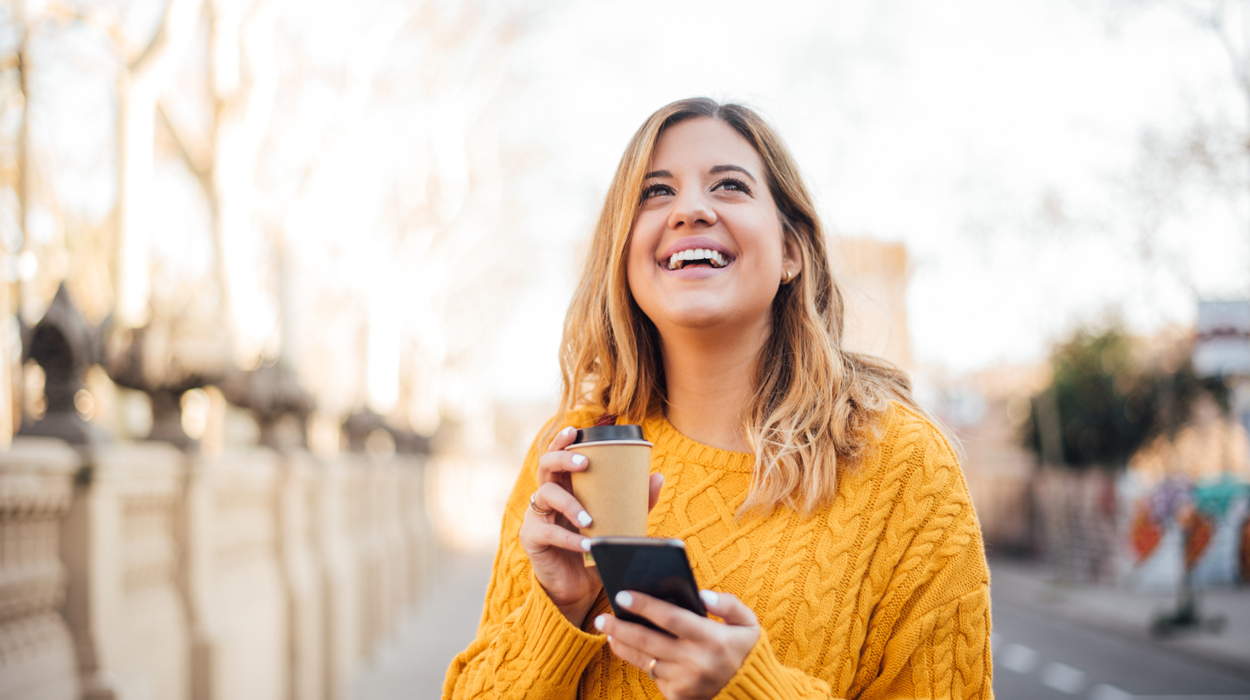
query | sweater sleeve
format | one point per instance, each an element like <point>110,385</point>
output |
<point>942,654</point>
<point>525,648</point>
<point>929,633</point>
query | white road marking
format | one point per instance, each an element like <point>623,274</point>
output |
<point>1108,692</point>
<point>1063,678</point>
<point>1066,679</point>
<point>1019,658</point>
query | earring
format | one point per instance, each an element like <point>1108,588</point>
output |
<point>789,275</point>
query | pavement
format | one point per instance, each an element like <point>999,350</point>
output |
<point>414,665</point>
<point>1050,641</point>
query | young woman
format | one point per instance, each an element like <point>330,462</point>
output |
<point>826,515</point>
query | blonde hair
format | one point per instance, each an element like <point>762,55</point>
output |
<point>813,412</point>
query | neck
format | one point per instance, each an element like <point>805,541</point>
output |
<point>708,380</point>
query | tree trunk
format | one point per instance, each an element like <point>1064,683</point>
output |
<point>137,92</point>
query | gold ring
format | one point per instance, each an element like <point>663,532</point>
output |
<point>534,506</point>
<point>651,669</point>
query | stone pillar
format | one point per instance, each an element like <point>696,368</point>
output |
<point>233,577</point>
<point>122,545</point>
<point>340,579</point>
<point>392,534</point>
<point>419,537</point>
<point>297,514</point>
<point>37,660</point>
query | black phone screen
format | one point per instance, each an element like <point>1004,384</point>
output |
<point>657,567</point>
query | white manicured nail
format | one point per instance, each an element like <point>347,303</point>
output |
<point>584,518</point>
<point>599,622</point>
<point>567,431</point>
<point>609,639</point>
<point>586,545</point>
<point>709,598</point>
<point>579,460</point>
<point>624,599</point>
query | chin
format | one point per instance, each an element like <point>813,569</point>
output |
<point>698,315</point>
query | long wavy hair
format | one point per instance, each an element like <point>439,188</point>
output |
<point>816,406</point>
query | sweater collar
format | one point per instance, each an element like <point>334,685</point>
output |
<point>667,439</point>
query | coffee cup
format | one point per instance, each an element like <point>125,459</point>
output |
<point>614,487</point>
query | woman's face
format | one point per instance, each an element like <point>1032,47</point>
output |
<point>707,248</point>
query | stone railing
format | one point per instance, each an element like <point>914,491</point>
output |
<point>139,571</point>
<point>36,647</point>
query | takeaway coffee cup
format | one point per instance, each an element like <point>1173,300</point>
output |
<point>613,488</point>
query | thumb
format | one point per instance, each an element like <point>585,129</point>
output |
<point>727,607</point>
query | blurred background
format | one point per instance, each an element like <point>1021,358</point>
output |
<point>283,286</point>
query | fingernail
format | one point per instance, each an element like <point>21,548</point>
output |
<point>586,545</point>
<point>584,518</point>
<point>567,431</point>
<point>709,597</point>
<point>624,599</point>
<point>579,460</point>
<point>609,639</point>
<point>599,622</point>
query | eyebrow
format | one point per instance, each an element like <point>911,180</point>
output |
<point>715,169</point>
<point>734,168</point>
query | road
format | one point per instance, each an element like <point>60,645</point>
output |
<point>1037,657</point>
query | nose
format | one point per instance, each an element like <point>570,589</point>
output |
<point>691,210</point>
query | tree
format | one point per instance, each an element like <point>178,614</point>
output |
<point>1104,401</point>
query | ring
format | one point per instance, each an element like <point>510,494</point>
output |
<point>534,506</point>
<point>651,669</point>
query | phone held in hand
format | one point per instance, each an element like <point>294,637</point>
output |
<point>657,567</point>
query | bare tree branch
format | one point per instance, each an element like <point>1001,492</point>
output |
<point>193,148</point>
<point>173,33</point>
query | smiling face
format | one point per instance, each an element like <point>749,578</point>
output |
<point>707,248</point>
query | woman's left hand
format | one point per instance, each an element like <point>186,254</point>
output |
<point>701,660</point>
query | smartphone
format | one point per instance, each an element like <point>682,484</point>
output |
<point>657,567</point>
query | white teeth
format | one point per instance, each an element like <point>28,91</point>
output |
<point>714,257</point>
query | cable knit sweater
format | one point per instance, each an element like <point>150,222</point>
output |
<point>883,593</point>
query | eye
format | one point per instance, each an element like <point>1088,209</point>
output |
<point>732,184</point>
<point>655,190</point>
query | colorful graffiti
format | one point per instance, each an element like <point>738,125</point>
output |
<point>1178,526</point>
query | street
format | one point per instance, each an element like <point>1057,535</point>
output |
<point>1037,656</point>
<point>1040,657</point>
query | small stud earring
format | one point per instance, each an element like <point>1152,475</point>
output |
<point>789,275</point>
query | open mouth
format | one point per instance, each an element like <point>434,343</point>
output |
<point>696,257</point>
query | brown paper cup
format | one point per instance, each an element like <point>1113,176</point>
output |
<point>613,488</point>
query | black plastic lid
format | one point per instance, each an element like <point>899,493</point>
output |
<point>600,433</point>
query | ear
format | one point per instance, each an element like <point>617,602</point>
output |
<point>791,252</point>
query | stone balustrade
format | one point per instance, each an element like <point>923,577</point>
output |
<point>137,571</point>
<point>36,647</point>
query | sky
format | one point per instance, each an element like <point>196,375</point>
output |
<point>1002,143</point>
<point>947,126</point>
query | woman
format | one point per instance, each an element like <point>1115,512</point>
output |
<point>828,517</point>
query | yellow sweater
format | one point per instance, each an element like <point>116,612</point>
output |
<point>883,593</point>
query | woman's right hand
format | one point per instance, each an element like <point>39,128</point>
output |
<point>552,542</point>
